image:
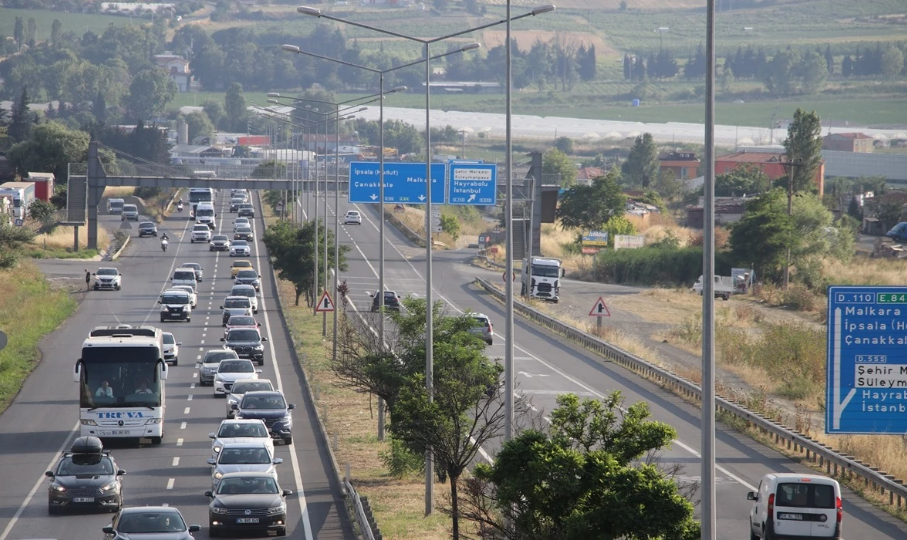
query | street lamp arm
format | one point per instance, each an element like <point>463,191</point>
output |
<point>297,50</point>
<point>314,12</point>
<point>533,13</point>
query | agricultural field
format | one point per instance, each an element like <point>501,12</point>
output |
<point>78,23</point>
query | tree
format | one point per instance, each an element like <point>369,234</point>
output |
<point>199,125</point>
<point>215,112</point>
<point>892,62</point>
<point>778,77</point>
<point>42,211</point>
<point>815,72</point>
<point>564,144</point>
<point>847,66</point>
<point>829,60</point>
<point>763,234</point>
<point>592,476</point>
<point>745,180</point>
<point>588,208</point>
<point>99,108</point>
<point>12,238</point>
<point>150,92</point>
<point>889,213</point>
<point>56,33</point>
<point>642,165</point>
<point>235,107</point>
<point>804,143</point>
<point>31,32</point>
<point>270,169</point>
<point>466,410</point>
<point>292,252</point>
<point>556,164</point>
<point>19,32</point>
<point>618,224</point>
<point>50,148</point>
<point>21,119</point>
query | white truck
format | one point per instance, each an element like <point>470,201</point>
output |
<point>724,287</point>
<point>545,279</point>
<point>21,194</point>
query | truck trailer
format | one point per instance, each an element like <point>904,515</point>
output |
<point>21,194</point>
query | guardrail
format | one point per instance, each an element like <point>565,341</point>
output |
<point>834,463</point>
<point>367,525</point>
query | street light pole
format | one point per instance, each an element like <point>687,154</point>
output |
<point>790,167</point>
<point>508,242</point>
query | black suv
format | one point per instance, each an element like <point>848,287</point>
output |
<point>85,477</point>
<point>271,407</point>
<point>246,210</point>
<point>246,343</point>
<point>391,301</point>
<point>147,228</point>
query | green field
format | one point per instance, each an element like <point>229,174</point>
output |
<point>72,22</point>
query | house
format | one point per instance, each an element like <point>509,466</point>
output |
<point>177,68</point>
<point>727,210</point>
<point>584,175</point>
<point>848,142</point>
<point>769,162</point>
<point>682,163</point>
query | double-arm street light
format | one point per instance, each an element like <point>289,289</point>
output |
<point>381,73</point>
<point>429,334</point>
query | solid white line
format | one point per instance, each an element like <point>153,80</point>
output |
<point>176,461</point>
<point>179,442</point>
<point>183,425</point>
<point>303,507</point>
<point>170,483</point>
<point>38,484</point>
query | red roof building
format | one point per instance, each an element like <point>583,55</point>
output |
<point>848,142</point>
<point>771,163</point>
<point>683,164</point>
<point>584,175</point>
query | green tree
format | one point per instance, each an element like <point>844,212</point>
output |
<point>804,145</point>
<point>892,62</point>
<point>556,164</point>
<point>270,169</point>
<point>235,107</point>
<point>589,207</point>
<point>618,225</point>
<point>215,112</point>
<point>587,478</point>
<point>292,253</point>
<point>42,211</point>
<point>150,92</point>
<point>99,108</point>
<point>56,33</point>
<point>815,72</point>
<point>763,234</point>
<point>12,239</point>
<point>31,32</point>
<point>199,125</point>
<point>21,119</point>
<point>451,225</point>
<point>564,144</point>
<point>778,77</point>
<point>742,180</point>
<point>889,213</point>
<point>19,32</point>
<point>642,165</point>
<point>466,410</point>
<point>50,148</point>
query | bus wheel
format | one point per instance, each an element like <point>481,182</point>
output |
<point>156,440</point>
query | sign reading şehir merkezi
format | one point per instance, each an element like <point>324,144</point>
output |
<point>866,389</point>
<point>403,182</point>
<point>473,184</point>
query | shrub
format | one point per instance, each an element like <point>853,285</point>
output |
<point>401,461</point>
<point>799,297</point>
<point>147,192</point>
<point>664,266</point>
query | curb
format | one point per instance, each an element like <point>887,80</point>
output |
<point>119,252</point>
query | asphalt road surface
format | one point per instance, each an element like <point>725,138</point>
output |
<point>547,365</point>
<point>43,420</point>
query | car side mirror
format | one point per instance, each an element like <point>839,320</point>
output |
<point>259,275</point>
<point>211,462</point>
<point>221,307</point>
<point>49,474</point>
<point>277,461</point>
<point>257,371</point>
<point>259,325</point>
<point>751,496</point>
<point>94,274</point>
<point>107,530</point>
<point>121,275</point>
<point>291,406</point>
<point>563,272</point>
<point>194,528</point>
<point>287,492</point>
<point>212,435</point>
<point>121,472</point>
<point>208,494</point>
<point>264,339</point>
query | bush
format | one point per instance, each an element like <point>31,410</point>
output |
<point>147,192</point>
<point>451,225</point>
<point>799,297</point>
<point>648,266</point>
<point>401,461</point>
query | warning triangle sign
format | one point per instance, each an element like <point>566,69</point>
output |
<point>325,304</point>
<point>600,309</point>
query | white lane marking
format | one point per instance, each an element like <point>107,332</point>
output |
<point>199,357</point>
<point>190,397</point>
<point>193,384</point>
<point>194,375</point>
<point>179,442</point>
<point>186,410</point>
<point>176,461</point>
<point>303,507</point>
<point>170,483</point>
<point>202,342</point>
<point>183,425</point>
<point>38,484</point>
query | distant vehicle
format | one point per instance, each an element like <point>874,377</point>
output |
<point>239,265</point>
<point>147,228</point>
<point>241,321</point>
<point>204,214</point>
<point>796,506</point>
<point>272,407</point>
<point>200,233</point>
<point>151,522</point>
<point>243,233</point>
<point>483,327</point>
<point>249,292</point>
<point>229,371</point>
<point>248,277</point>
<point>219,242</point>
<point>898,233</point>
<point>240,248</point>
<point>171,349</point>
<point>247,343</point>
<point>199,271</point>
<point>193,296</point>
<point>235,306</point>
<point>175,305</point>
<point>248,502</point>
<point>241,221</point>
<point>391,301</point>
<point>352,217</point>
<point>115,206</point>
<point>204,174</point>
<point>241,431</point>
<point>243,457</point>
<point>240,387</point>
<point>108,278</point>
<point>130,212</point>
<point>212,359</point>
<point>246,210</point>
<point>185,276</point>
<point>85,477</point>
<point>724,287</point>
<point>235,203</point>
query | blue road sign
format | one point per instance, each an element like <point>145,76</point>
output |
<point>473,184</point>
<point>867,360</point>
<point>403,182</point>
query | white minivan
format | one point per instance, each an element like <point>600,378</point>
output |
<point>796,505</point>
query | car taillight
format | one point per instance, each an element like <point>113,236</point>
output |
<point>771,506</point>
<point>840,508</point>
<point>489,327</point>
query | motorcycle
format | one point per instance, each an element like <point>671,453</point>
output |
<point>164,244</point>
<point>179,207</point>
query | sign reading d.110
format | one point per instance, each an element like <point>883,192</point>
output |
<point>867,360</point>
<point>403,182</point>
<point>473,184</point>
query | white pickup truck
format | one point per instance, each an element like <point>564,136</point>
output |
<point>724,287</point>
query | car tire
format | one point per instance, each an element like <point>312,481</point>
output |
<point>288,440</point>
<point>281,532</point>
<point>176,361</point>
<point>188,319</point>
<point>261,361</point>
<point>157,440</point>
<point>191,241</point>
<point>162,318</point>
<point>213,533</point>
<point>753,534</point>
<point>489,342</point>
<point>768,532</point>
<point>118,287</point>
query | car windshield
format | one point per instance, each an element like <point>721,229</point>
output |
<point>200,228</point>
<point>246,205</point>
<point>241,221</point>
<point>242,429</point>
<point>238,199</point>
<point>234,366</point>
<point>242,264</point>
<point>241,321</point>
<point>205,212</point>
<point>128,207</point>
<point>352,214</point>
<point>215,357</point>
<point>175,299</point>
<point>247,274</point>
<point>251,386</point>
<point>240,243</point>
<point>185,274</point>
<point>545,271</point>
<point>247,486</point>
<point>107,271</point>
<point>168,339</point>
<point>146,225</point>
<point>263,402</point>
<point>244,456</point>
<point>148,522</point>
<point>237,303</point>
<point>243,292</point>
<point>243,229</point>
<point>243,335</point>
<point>186,288</point>
<point>194,266</point>
<point>88,465</point>
<point>219,238</point>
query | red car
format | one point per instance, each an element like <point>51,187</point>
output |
<point>241,321</point>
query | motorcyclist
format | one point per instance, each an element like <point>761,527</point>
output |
<point>164,241</point>
<point>179,206</point>
<point>164,237</point>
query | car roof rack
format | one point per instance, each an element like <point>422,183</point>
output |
<point>86,445</point>
<point>110,331</point>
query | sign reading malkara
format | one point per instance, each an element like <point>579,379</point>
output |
<point>866,367</point>
<point>624,241</point>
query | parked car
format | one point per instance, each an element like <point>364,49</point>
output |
<point>790,505</point>
<point>723,287</point>
<point>147,228</point>
<point>898,233</point>
<point>108,278</point>
<point>247,502</point>
<point>271,407</point>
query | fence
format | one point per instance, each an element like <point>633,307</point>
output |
<point>834,463</point>
<point>364,517</point>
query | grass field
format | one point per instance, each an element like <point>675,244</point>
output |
<point>29,309</point>
<point>72,22</point>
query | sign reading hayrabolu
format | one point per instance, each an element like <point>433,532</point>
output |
<point>626,241</point>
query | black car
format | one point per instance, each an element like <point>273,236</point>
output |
<point>246,210</point>
<point>150,523</point>
<point>391,301</point>
<point>270,407</point>
<point>85,478</point>
<point>248,277</point>
<point>247,501</point>
<point>246,343</point>
<point>147,228</point>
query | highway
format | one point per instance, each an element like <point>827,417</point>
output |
<point>43,419</point>
<point>547,365</point>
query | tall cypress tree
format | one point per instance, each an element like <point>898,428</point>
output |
<point>829,60</point>
<point>21,120</point>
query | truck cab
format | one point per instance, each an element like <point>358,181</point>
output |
<point>544,282</point>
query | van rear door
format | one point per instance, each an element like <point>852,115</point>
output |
<point>798,511</point>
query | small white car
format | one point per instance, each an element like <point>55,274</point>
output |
<point>193,296</point>
<point>200,233</point>
<point>244,457</point>
<point>240,431</point>
<point>247,291</point>
<point>108,278</point>
<point>229,371</point>
<point>353,216</point>
<point>171,349</point>
<point>184,276</point>
<point>240,248</point>
<point>789,505</point>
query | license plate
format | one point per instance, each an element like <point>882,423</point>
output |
<point>114,432</point>
<point>247,520</point>
<point>792,517</point>
<point>83,499</point>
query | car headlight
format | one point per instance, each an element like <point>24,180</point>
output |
<point>152,421</point>
<point>217,449</point>
<point>218,510</point>
<point>218,475</point>
<point>277,510</point>
<point>89,423</point>
<point>109,487</point>
<point>57,487</point>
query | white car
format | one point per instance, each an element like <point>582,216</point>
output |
<point>208,368</point>
<point>230,371</point>
<point>171,349</point>
<point>200,233</point>
<point>193,296</point>
<point>240,431</point>
<point>247,291</point>
<point>240,387</point>
<point>791,505</point>
<point>108,278</point>
<point>175,305</point>
<point>352,216</point>
<point>241,222</point>
<point>240,248</point>
<point>244,457</point>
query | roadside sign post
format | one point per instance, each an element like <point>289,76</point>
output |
<point>866,367</point>
<point>403,182</point>
<point>473,184</point>
<point>599,311</point>
<point>325,304</point>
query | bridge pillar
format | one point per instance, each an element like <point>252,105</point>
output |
<point>95,179</point>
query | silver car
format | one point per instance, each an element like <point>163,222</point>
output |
<point>483,327</point>
<point>243,457</point>
<point>240,431</point>
<point>240,387</point>
<point>229,371</point>
<point>208,368</point>
<point>171,349</point>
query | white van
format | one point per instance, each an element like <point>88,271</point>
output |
<point>204,214</point>
<point>796,505</point>
<point>115,206</point>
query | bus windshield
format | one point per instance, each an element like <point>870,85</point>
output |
<point>120,377</point>
<point>200,196</point>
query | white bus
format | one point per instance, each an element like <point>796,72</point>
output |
<point>121,378</point>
